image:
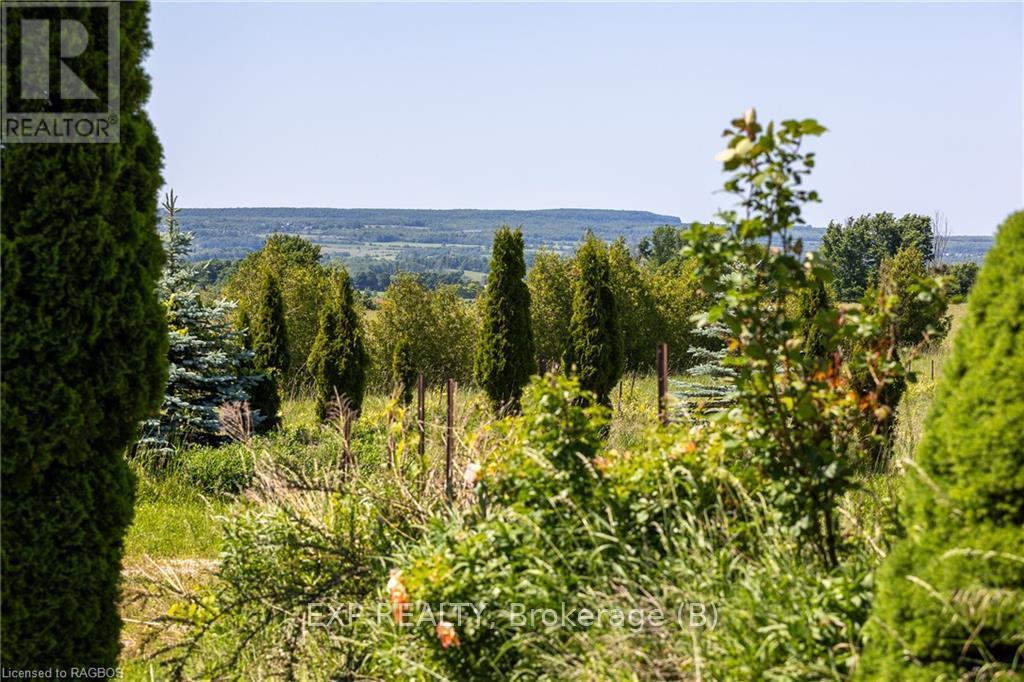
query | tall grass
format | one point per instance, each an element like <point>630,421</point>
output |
<point>291,497</point>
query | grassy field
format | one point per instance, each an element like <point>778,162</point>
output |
<point>179,515</point>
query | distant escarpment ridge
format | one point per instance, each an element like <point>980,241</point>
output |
<point>384,232</point>
<point>234,232</point>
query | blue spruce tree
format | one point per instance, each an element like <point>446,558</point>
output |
<point>206,354</point>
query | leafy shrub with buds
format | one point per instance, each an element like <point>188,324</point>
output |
<point>796,418</point>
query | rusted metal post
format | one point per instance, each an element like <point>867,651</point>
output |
<point>449,444</point>
<point>421,414</point>
<point>662,362</point>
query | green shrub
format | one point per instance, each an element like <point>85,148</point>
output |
<point>268,335</point>
<point>917,316</point>
<point>951,594</point>
<point>84,360</point>
<point>550,282</point>
<point>504,350</point>
<point>642,327</point>
<point>404,374</point>
<point>338,358</point>
<point>304,284</point>
<point>563,521</point>
<point>596,352</point>
<point>439,327</point>
<point>962,277</point>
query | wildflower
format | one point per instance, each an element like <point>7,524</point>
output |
<point>472,473</point>
<point>601,463</point>
<point>446,634</point>
<point>397,595</point>
<point>690,446</point>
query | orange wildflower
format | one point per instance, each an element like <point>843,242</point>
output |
<point>446,634</point>
<point>472,473</point>
<point>397,595</point>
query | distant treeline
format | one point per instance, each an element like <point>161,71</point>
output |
<point>444,246</point>
<point>234,232</point>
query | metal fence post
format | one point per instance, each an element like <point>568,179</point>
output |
<point>449,444</point>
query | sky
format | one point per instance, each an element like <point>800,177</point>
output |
<point>526,106</point>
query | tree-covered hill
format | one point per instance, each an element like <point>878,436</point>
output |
<point>233,232</point>
<point>391,233</point>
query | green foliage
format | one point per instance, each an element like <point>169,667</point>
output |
<point>504,350</point>
<point>304,283</point>
<point>855,251</point>
<point>338,358</point>
<point>404,373</point>
<point>269,331</point>
<point>268,338</point>
<point>224,470</point>
<point>550,283</point>
<point>951,594</point>
<point>596,352</point>
<point>918,316</point>
<point>813,306</point>
<point>286,575</point>
<point>709,386</point>
<point>208,361</point>
<point>637,306</point>
<point>664,245</point>
<point>795,419</point>
<point>84,349</point>
<point>679,297</point>
<point>962,277</point>
<point>439,328</point>
<point>564,524</point>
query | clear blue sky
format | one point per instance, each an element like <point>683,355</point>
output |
<point>595,106</point>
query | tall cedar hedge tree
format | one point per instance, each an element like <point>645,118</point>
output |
<point>403,369</point>
<point>950,596</point>
<point>268,334</point>
<point>596,353</point>
<point>638,310</point>
<point>338,358</point>
<point>84,358</point>
<point>504,350</point>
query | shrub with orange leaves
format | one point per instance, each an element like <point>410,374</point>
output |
<point>791,417</point>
